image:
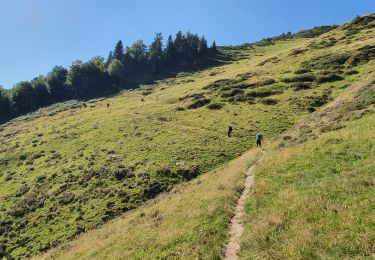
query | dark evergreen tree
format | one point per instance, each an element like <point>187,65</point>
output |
<point>170,53</point>
<point>156,53</point>
<point>202,46</point>
<point>213,47</point>
<point>118,53</point>
<point>179,42</point>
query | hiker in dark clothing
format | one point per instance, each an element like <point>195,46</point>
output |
<point>107,105</point>
<point>230,130</point>
<point>258,139</point>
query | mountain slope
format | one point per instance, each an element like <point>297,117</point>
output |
<point>316,199</point>
<point>68,172</point>
<point>189,222</point>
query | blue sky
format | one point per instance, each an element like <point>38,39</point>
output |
<point>35,35</point>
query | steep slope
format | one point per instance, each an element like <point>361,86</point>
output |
<point>69,172</point>
<point>314,197</point>
<point>187,223</point>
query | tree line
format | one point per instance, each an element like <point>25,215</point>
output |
<point>100,76</point>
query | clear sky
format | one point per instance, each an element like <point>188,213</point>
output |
<point>35,35</point>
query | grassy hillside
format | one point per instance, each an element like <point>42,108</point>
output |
<point>187,223</point>
<point>63,173</point>
<point>316,199</point>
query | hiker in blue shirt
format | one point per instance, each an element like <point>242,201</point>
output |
<point>259,139</point>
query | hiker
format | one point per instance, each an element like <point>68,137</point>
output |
<point>107,105</point>
<point>259,139</point>
<point>230,130</point>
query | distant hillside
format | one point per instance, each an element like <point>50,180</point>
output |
<point>71,167</point>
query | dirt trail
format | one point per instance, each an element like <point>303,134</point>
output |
<point>236,226</point>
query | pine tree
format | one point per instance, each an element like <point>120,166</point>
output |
<point>178,42</point>
<point>156,53</point>
<point>213,47</point>
<point>118,53</point>
<point>202,46</point>
<point>156,48</point>
<point>170,53</point>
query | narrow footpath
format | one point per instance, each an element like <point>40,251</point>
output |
<point>236,227</point>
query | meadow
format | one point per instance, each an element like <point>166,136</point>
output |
<point>70,168</point>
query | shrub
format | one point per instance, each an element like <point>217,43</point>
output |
<point>121,173</point>
<point>269,101</point>
<point>328,78</point>
<point>199,103</point>
<point>307,77</point>
<point>221,82</point>
<point>330,61</point>
<point>296,86</point>
<point>351,72</point>
<point>231,93</point>
<point>66,198</point>
<point>23,190</point>
<point>265,82</point>
<point>297,51</point>
<point>189,174</point>
<point>215,106</point>
<point>302,71</point>
<point>331,127</point>
<point>263,93</point>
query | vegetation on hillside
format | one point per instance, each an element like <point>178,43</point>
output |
<point>97,77</point>
<point>315,198</point>
<point>121,151</point>
<point>190,222</point>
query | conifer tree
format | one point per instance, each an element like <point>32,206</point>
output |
<point>202,46</point>
<point>213,47</point>
<point>118,53</point>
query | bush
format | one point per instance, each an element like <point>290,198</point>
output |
<point>297,51</point>
<point>231,93</point>
<point>302,71</point>
<point>221,82</point>
<point>331,127</point>
<point>331,61</point>
<point>122,173</point>
<point>188,174</point>
<point>23,190</point>
<point>307,77</point>
<point>265,82</point>
<point>351,72</point>
<point>66,198</point>
<point>215,106</point>
<point>328,78</point>
<point>199,103</point>
<point>269,101</point>
<point>263,93</point>
<point>296,86</point>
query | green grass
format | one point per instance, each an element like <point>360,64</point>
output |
<point>68,169</point>
<point>316,200</point>
<point>190,222</point>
